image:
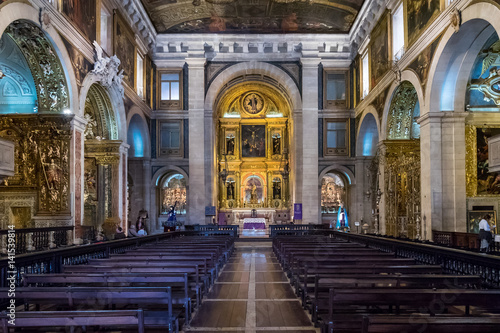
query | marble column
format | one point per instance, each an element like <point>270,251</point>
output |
<point>77,173</point>
<point>146,195</point>
<point>431,180</point>
<point>309,158</point>
<point>196,189</point>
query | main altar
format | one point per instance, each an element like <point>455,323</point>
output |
<point>253,157</point>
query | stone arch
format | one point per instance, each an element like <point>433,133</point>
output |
<point>166,169</point>
<point>369,129</point>
<point>99,110</point>
<point>339,169</point>
<point>406,75</point>
<point>455,56</point>
<point>14,11</point>
<point>116,99</point>
<point>137,131</point>
<point>253,67</point>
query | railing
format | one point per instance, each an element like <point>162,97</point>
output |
<point>456,239</point>
<point>52,261</point>
<point>453,261</point>
<point>296,229</point>
<point>89,233</point>
<point>37,239</point>
<point>231,230</point>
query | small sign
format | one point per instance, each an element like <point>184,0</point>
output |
<point>209,210</point>
<point>356,224</point>
<point>297,211</point>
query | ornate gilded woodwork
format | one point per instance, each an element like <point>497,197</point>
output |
<point>471,160</point>
<point>401,165</point>
<point>252,117</point>
<point>400,120</point>
<point>47,71</point>
<point>41,158</point>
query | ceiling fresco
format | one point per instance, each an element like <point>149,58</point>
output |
<point>253,16</point>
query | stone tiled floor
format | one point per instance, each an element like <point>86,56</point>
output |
<point>252,294</point>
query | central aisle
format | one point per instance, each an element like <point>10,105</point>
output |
<point>252,294</point>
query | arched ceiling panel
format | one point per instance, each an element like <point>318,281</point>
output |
<point>253,16</point>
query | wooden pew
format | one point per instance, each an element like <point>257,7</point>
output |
<point>179,284</point>
<point>435,301</point>
<point>102,318</point>
<point>156,302</point>
<point>422,323</point>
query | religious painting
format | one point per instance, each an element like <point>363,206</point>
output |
<point>422,64</point>
<point>379,50</point>
<point>90,177</point>
<point>476,216</point>
<point>81,65</point>
<point>83,13</point>
<point>419,14</point>
<point>124,48</point>
<point>487,183</point>
<point>253,140</point>
<point>254,190</point>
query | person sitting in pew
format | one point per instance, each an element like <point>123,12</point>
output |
<point>142,231</point>
<point>119,233</point>
<point>132,231</point>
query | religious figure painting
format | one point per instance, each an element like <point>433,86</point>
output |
<point>422,64</point>
<point>83,14</point>
<point>419,13</point>
<point>379,50</point>
<point>125,49</point>
<point>476,216</point>
<point>487,183</point>
<point>81,65</point>
<point>253,140</point>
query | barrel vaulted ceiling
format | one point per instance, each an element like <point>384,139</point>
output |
<point>253,16</point>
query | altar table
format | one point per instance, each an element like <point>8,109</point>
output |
<point>254,223</point>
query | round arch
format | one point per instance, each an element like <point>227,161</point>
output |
<point>253,67</point>
<point>166,169</point>
<point>116,98</point>
<point>21,11</point>
<point>338,169</point>
<point>406,75</point>
<point>137,129</point>
<point>369,129</point>
<point>455,57</point>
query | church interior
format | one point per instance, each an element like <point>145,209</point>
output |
<point>293,165</point>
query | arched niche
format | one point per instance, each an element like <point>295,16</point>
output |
<point>102,159</point>
<point>53,95</point>
<point>403,113</point>
<point>172,193</point>
<point>138,137</point>
<point>17,88</point>
<point>367,138</point>
<point>334,195</point>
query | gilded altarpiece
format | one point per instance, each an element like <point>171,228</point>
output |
<point>41,164</point>
<point>401,165</point>
<point>253,149</point>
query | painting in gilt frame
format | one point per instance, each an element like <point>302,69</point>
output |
<point>124,48</point>
<point>253,140</point>
<point>83,14</point>
<point>475,217</point>
<point>419,14</point>
<point>81,65</point>
<point>487,183</point>
<point>379,50</point>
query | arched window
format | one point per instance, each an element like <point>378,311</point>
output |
<point>173,193</point>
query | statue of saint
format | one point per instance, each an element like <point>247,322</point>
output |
<point>253,192</point>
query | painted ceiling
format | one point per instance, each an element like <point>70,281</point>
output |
<point>253,16</point>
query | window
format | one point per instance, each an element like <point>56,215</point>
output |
<point>398,33</point>
<point>170,89</point>
<point>140,76</point>
<point>336,137</point>
<point>335,89</point>
<point>106,30</point>
<point>366,76</point>
<point>170,138</point>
